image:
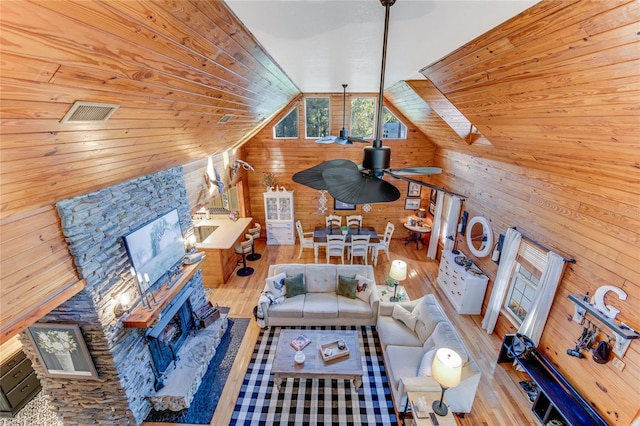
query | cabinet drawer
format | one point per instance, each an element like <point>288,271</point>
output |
<point>12,362</point>
<point>23,390</point>
<point>16,375</point>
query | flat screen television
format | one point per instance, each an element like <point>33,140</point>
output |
<point>156,246</point>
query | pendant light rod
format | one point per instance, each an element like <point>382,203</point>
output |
<point>344,105</point>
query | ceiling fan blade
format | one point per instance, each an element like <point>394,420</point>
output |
<point>313,177</point>
<point>356,139</point>
<point>352,187</point>
<point>407,171</point>
<point>326,139</point>
<point>343,141</point>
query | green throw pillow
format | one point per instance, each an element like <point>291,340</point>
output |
<point>295,285</point>
<point>347,287</point>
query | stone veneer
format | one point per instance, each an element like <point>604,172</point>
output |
<point>93,225</point>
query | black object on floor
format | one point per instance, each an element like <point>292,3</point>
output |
<point>206,399</point>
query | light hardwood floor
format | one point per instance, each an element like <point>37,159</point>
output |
<point>499,401</point>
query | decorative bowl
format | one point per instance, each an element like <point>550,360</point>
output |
<point>299,357</point>
<point>460,260</point>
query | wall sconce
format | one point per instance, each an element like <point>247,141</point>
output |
<point>397,273</point>
<point>123,304</point>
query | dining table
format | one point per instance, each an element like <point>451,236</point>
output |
<point>320,236</point>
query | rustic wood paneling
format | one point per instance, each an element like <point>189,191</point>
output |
<point>555,92</point>
<point>285,157</point>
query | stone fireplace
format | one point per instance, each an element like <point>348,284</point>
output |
<point>129,361</point>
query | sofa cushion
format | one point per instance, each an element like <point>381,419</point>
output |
<point>275,285</point>
<point>403,361</point>
<point>365,287</point>
<point>295,285</point>
<point>353,308</point>
<point>408,319</point>
<point>321,278</point>
<point>289,269</point>
<point>320,305</point>
<point>291,308</point>
<point>444,336</point>
<point>347,287</point>
<point>426,363</point>
<point>391,332</point>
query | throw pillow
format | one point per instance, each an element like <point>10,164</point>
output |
<point>405,317</point>
<point>426,363</point>
<point>364,288</point>
<point>295,285</point>
<point>347,287</point>
<point>275,285</point>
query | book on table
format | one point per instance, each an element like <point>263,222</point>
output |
<point>300,342</point>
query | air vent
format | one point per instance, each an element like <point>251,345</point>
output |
<point>92,112</point>
<point>225,118</point>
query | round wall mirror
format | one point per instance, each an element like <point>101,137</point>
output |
<point>479,236</point>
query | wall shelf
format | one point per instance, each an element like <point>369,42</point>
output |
<point>623,333</point>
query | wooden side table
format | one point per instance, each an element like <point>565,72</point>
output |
<point>425,418</point>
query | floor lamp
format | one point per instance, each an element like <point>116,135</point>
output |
<point>397,273</point>
<point>446,370</point>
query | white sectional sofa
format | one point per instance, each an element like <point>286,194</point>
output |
<point>320,305</point>
<point>404,349</point>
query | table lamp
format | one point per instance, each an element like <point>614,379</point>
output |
<point>397,273</point>
<point>422,213</point>
<point>446,370</point>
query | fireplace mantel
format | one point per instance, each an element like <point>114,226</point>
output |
<point>144,318</point>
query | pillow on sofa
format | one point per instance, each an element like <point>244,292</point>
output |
<point>444,336</point>
<point>347,287</point>
<point>275,285</point>
<point>426,363</point>
<point>405,317</point>
<point>365,286</point>
<point>295,285</point>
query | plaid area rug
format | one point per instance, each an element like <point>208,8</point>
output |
<point>314,401</point>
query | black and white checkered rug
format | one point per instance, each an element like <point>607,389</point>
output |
<point>314,401</point>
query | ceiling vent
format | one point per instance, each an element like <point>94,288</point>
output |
<point>89,112</point>
<point>224,118</point>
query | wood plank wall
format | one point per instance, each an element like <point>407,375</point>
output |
<point>285,157</point>
<point>555,92</point>
<point>175,69</point>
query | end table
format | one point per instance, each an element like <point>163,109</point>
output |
<point>426,418</point>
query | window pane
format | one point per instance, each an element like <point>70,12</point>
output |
<point>362,115</point>
<point>521,293</point>
<point>392,128</point>
<point>288,126</point>
<point>317,117</point>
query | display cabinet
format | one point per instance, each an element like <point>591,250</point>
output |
<point>462,282</point>
<point>18,384</point>
<point>278,207</point>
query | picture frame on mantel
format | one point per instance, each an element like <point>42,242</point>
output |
<point>62,351</point>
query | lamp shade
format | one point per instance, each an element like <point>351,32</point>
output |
<point>422,213</point>
<point>447,368</point>
<point>398,270</point>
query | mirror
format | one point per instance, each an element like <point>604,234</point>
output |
<point>479,236</point>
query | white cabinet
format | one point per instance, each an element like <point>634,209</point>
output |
<point>278,209</point>
<point>464,289</point>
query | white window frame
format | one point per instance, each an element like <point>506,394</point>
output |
<point>406,129</point>
<point>306,128</point>
<point>532,261</point>
<point>295,108</point>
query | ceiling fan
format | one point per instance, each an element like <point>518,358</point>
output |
<point>344,138</point>
<point>353,184</point>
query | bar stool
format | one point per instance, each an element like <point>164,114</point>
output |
<point>255,233</point>
<point>244,248</point>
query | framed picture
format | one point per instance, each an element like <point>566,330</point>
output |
<point>432,209</point>
<point>62,350</point>
<point>412,204</point>
<point>433,197</point>
<point>339,205</point>
<point>414,189</point>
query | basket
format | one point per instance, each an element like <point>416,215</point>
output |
<point>207,314</point>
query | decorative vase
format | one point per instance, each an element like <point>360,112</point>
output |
<point>66,363</point>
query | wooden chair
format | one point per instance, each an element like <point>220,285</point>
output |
<point>244,248</point>
<point>255,234</point>
<point>384,243</point>
<point>333,221</point>
<point>306,238</point>
<point>354,221</point>
<point>335,247</point>
<point>360,247</point>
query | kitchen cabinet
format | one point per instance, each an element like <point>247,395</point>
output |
<point>278,207</point>
<point>464,284</point>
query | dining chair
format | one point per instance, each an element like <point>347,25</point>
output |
<point>306,238</point>
<point>384,243</point>
<point>354,221</point>
<point>359,247</point>
<point>333,221</point>
<point>335,246</point>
